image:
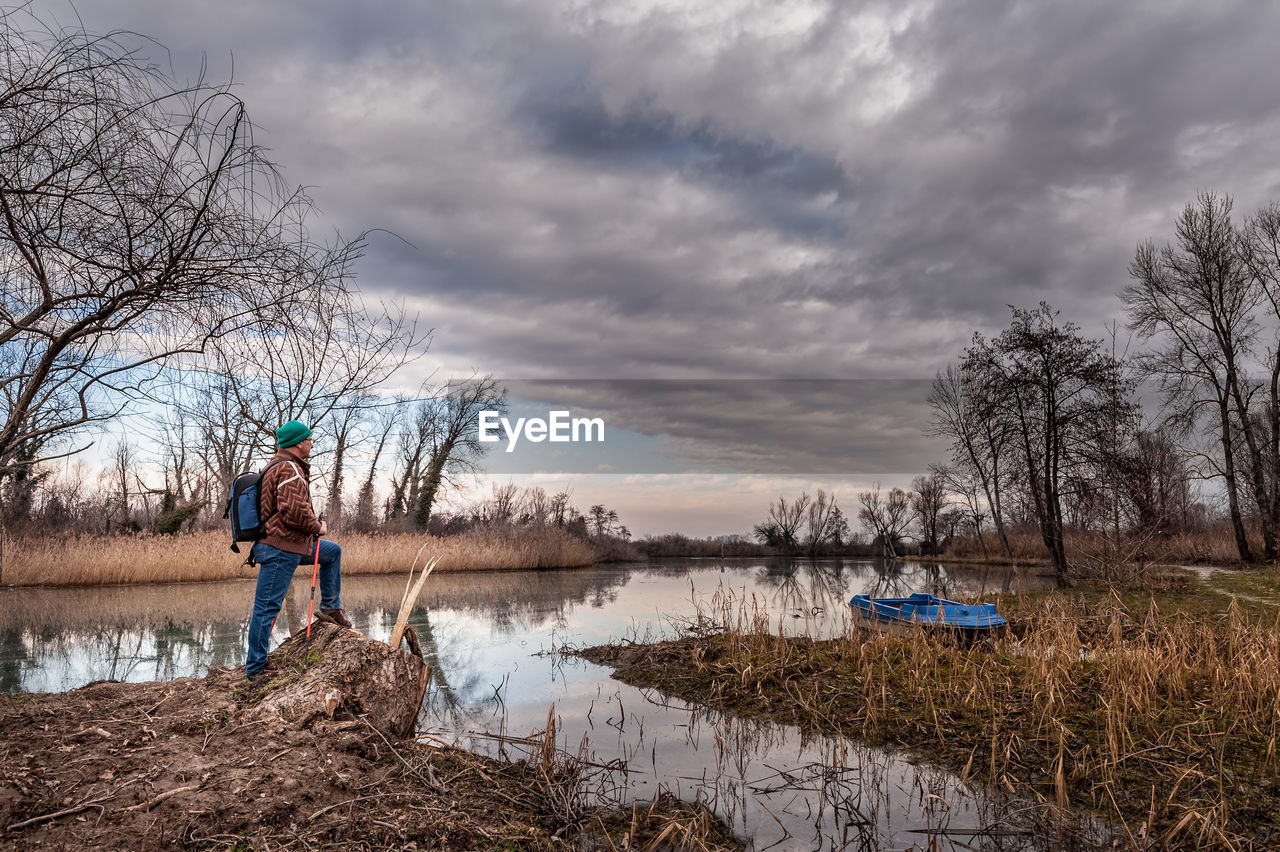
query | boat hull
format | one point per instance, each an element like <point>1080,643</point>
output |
<point>904,616</point>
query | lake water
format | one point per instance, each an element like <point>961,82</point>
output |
<point>496,644</point>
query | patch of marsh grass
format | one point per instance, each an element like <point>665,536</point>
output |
<point>1163,717</point>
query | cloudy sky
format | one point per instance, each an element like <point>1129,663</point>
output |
<point>741,190</point>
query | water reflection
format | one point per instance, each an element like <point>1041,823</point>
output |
<point>494,642</point>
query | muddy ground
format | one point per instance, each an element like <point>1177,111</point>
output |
<point>185,764</point>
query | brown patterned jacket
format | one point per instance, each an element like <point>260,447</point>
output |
<point>291,524</point>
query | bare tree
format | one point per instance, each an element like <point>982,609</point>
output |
<point>1198,300</point>
<point>176,441</point>
<point>318,357</point>
<point>1055,387</point>
<point>453,439</point>
<point>980,439</point>
<point>1155,482</point>
<point>951,521</point>
<point>826,523</point>
<point>887,518</point>
<point>559,512</point>
<point>228,441</point>
<point>960,480</point>
<point>124,460</point>
<point>502,504</point>
<point>781,529</point>
<point>413,446</point>
<point>386,420</point>
<point>535,507</point>
<point>138,220</point>
<point>928,500</point>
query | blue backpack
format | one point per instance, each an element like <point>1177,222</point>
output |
<point>243,507</point>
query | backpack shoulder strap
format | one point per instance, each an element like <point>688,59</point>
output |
<point>270,464</point>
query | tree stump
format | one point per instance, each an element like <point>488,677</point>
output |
<point>347,673</point>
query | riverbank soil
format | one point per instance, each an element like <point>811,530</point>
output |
<point>1156,706</point>
<point>225,762</point>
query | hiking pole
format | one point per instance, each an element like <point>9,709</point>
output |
<point>315,572</point>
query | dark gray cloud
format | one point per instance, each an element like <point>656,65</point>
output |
<point>743,189</point>
<point>776,427</point>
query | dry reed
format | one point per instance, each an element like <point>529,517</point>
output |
<point>1167,723</point>
<point>89,560</point>
<point>1214,546</point>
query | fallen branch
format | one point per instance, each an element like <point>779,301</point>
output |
<point>328,808</point>
<point>75,809</point>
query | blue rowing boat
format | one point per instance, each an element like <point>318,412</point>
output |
<point>901,615</point>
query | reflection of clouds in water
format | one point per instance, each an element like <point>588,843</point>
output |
<point>830,789</point>
<point>769,782</point>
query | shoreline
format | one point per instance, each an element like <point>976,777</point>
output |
<point>209,762</point>
<point>1152,708</point>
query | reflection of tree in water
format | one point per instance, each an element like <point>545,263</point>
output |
<point>121,661</point>
<point>510,604</point>
<point>829,582</point>
<point>808,584</point>
<point>604,596</point>
<point>444,697</point>
<point>185,649</point>
<point>894,578</point>
<point>953,581</point>
<point>509,619</point>
<point>64,659</point>
<point>171,641</point>
<point>13,656</point>
<point>899,578</point>
<point>438,686</point>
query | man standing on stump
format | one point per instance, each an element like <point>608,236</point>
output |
<point>290,530</point>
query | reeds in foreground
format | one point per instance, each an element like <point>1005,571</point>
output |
<point>89,560</point>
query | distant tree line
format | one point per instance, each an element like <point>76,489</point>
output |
<point>893,523</point>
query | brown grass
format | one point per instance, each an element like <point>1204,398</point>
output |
<point>1166,722</point>
<point>1024,546</point>
<point>88,560</point>
<point>1214,546</point>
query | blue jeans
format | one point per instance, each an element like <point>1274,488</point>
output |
<point>275,573</point>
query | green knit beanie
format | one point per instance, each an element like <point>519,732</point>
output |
<point>292,433</point>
